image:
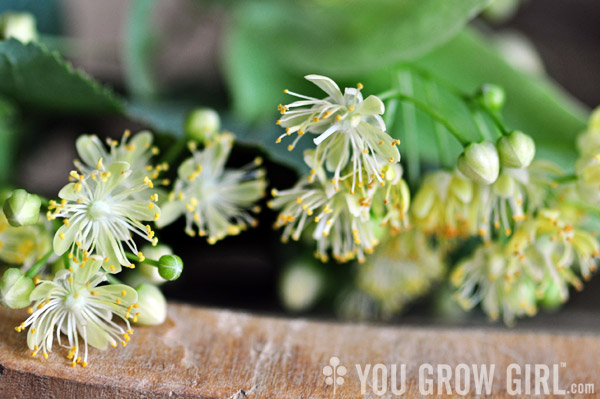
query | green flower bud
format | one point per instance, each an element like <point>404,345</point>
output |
<point>516,150</point>
<point>170,267</point>
<point>491,96</point>
<point>146,273</point>
<point>300,285</point>
<point>152,305</point>
<point>20,26</point>
<point>479,162</point>
<point>22,208</point>
<point>15,289</point>
<point>201,124</point>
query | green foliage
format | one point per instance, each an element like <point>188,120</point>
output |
<point>8,135</point>
<point>139,49</point>
<point>271,39</point>
<point>33,76</point>
<point>534,105</point>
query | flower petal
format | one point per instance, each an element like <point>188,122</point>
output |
<point>372,105</point>
<point>328,86</point>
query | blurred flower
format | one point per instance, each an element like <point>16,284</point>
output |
<point>216,200</point>
<point>547,252</point>
<point>73,304</point>
<point>300,285</point>
<point>23,245</point>
<point>349,129</point>
<point>444,205</point>
<point>20,26</point>
<point>100,214</point>
<point>402,268</point>
<point>485,278</point>
<point>339,219</point>
<point>391,203</point>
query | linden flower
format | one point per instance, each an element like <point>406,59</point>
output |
<point>400,270</point>
<point>136,151</point>
<point>391,203</point>
<point>514,195</point>
<point>23,245</point>
<point>444,205</point>
<point>340,220</point>
<point>216,200</point>
<point>100,215</point>
<point>485,278</point>
<point>349,129</point>
<point>72,304</point>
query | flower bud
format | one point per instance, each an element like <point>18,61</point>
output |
<point>152,305</point>
<point>479,162</point>
<point>491,96</point>
<point>201,124</point>
<point>300,285</point>
<point>145,272</point>
<point>516,150</point>
<point>22,208</point>
<point>20,26</point>
<point>15,289</point>
<point>170,267</point>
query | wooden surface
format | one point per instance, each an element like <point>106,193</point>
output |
<point>206,353</point>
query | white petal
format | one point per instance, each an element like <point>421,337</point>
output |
<point>328,86</point>
<point>372,105</point>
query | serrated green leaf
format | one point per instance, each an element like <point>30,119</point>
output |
<point>353,36</point>
<point>33,76</point>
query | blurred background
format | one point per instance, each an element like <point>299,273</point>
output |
<point>192,49</point>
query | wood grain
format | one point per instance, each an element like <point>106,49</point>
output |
<point>207,353</point>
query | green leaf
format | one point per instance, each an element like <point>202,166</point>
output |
<point>272,44</point>
<point>534,104</point>
<point>139,50</point>
<point>353,36</point>
<point>8,135</point>
<point>32,75</point>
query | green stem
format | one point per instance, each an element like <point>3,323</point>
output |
<point>434,114</point>
<point>37,266</point>
<point>113,280</point>
<point>174,151</point>
<point>136,258</point>
<point>496,119</point>
<point>481,125</point>
<point>468,98</point>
